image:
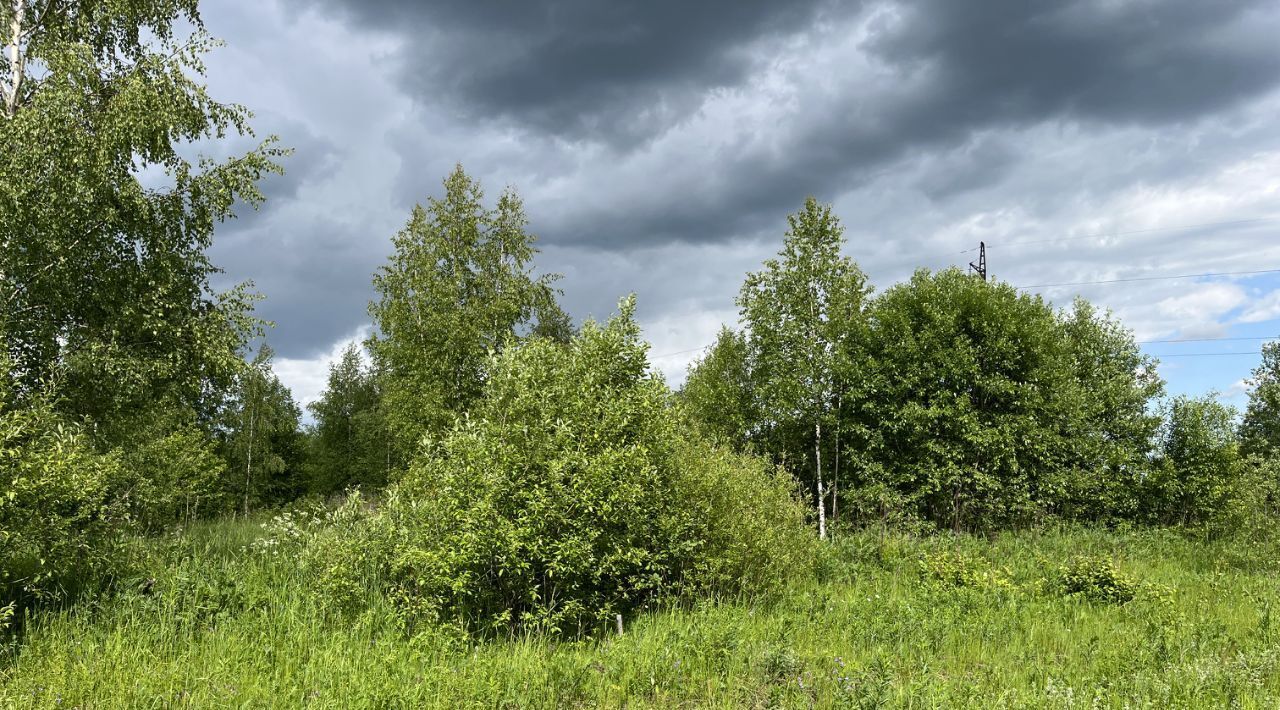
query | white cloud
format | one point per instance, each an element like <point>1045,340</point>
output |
<point>308,377</point>
<point>1262,309</point>
<point>1238,390</point>
<point>1203,303</point>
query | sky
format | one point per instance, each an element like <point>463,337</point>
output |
<point>659,145</point>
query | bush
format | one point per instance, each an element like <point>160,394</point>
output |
<point>174,470</point>
<point>953,570</point>
<point>1097,580</point>
<point>573,493</point>
<point>347,553</point>
<point>1199,478</point>
<point>985,408</point>
<point>59,522</point>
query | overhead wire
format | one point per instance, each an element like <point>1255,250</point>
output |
<point>1108,235</point>
<point>1153,278</point>
<point>1134,279</point>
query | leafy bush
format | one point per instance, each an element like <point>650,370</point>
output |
<point>1097,580</point>
<point>347,553</point>
<point>59,523</point>
<point>957,571</point>
<point>1199,478</point>
<point>174,470</point>
<point>571,494</point>
<point>984,407</point>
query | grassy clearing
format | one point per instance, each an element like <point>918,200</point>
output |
<point>898,621</point>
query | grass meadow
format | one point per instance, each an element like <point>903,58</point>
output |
<point>892,621</point>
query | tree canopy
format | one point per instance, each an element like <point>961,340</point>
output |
<point>459,286</point>
<point>1260,429</point>
<point>102,106</point>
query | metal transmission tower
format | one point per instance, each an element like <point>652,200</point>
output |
<point>980,267</point>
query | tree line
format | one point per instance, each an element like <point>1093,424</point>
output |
<point>946,400</point>
<point>132,400</point>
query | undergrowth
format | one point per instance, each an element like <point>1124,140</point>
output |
<point>228,614</point>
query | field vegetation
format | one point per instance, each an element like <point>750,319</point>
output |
<point>947,493</point>
<point>1056,617</point>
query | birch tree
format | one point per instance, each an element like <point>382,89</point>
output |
<point>459,286</point>
<point>264,446</point>
<point>800,311</point>
<point>104,278</point>
<point>350,439</point>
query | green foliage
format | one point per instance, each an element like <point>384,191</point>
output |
<point>106,217</point>
<point>264,444</point>
<point>970,405</point>
<point>1097,580</point>
<point>718,393</point>
<point>954,570</point>
<point>987,408</point>
<point>116,97</point>
<point>350,444</point>
<point>946,399</point>
<point>458,287</point>
<point>804,315</point>
<point>347,552</point>
<point>1106,410</point>
<point>60,524</point>
<point>1199,478</point>
<point>173,471</point>
<point>1260,429</point>
<point>966,402</point>
<point>569,494</point>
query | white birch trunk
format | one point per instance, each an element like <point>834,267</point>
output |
<point>248,464</point>
<point>822,504</point>
<point>16,58</point>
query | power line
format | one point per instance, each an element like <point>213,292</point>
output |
<point>681,352</point>
<point>1200,340</point>
<point>1252,352</point>
<point>1106,235</point>
<point>1154,278</point>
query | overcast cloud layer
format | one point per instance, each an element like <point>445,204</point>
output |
<point>659,146</point>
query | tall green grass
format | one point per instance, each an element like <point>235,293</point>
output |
<point>893,621</point>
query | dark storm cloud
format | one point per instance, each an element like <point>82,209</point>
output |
<point>314,277</point>
<point>287,256</point>
<point>619,71</point>
<point>981,67</point>
<point>1110,60</point>
<point>660,145</point>
<point>589,68</point>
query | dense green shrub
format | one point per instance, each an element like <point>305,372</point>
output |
<point>969,400</point>
<point>173,470</point>
<point>1097,580</point>
<point>1199,477</point>
<point>59,519</point>
<point>955,570</point>
<point>572,493</point>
